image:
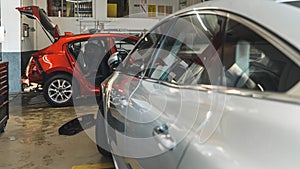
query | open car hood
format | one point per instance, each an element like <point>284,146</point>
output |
<point>34,12</point>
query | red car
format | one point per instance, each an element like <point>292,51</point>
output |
<point>81,57</point>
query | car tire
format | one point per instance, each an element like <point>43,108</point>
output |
<point>24,86</point>
<point>103,152</point>
<point>58,90</point>
<point>101,134</point>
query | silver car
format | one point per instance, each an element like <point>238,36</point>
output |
<point>213,86</point>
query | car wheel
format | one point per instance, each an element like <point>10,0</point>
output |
<point>24,86</point>
<point>58,90</point>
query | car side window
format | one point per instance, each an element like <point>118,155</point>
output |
<point>188,49</point>
<point>75,47</point>
<point>252,62</point>
<point>91,57</point>
<point>136,63</point>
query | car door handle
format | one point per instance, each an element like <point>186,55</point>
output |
<point>162,136</point>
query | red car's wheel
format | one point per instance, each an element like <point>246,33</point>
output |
<point>58,90</point>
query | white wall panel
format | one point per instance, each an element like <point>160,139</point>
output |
<point>27,43</point>
<point>10,19</point>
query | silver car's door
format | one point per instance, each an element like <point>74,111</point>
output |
<point>120,87</point>
<point>253,133</point>
<point>152,111</point>
<point>260,124</point>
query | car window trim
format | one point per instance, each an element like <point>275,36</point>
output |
<point>231,91</point>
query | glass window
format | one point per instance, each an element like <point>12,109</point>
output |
<point>89,52</point>
<point>70,8</point>
<point>293,3</point>
<point>75,48</point>
<point>252,62</point>
<point>137,62</point>
<point>188,50</point>
<point>91,57</point>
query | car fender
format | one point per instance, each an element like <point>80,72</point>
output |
<point>54,61</point>
<point>58,69</point>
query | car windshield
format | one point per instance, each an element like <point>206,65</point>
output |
<point>294,3</point>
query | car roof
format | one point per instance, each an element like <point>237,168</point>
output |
<point>75,37</point>
<point>286,1</point>
<point>282,19</point>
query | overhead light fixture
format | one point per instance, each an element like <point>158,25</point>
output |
<point>79,1</point>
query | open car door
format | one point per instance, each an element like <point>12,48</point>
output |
<point>34,12</point>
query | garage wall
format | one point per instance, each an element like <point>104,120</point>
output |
<point>27,43</point>
<point>131,23</point>
<point>10,19</point>
<point>152,8</point>
<point>186,3</point>
<point>77,25</point>
<point>192,2</point>
<point>11,47</point>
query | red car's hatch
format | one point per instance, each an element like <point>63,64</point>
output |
<point>34,12</point>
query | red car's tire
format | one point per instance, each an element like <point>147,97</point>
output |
<point>58,90</point>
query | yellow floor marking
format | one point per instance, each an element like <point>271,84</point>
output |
<point>95,166</point>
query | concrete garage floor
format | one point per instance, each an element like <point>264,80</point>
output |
<point>32,141</point>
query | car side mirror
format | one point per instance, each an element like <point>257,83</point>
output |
<point>114,60</point>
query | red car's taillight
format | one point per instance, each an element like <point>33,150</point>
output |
<point>28,66</point>
<point>33,66</point>
<point>33,71</point>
